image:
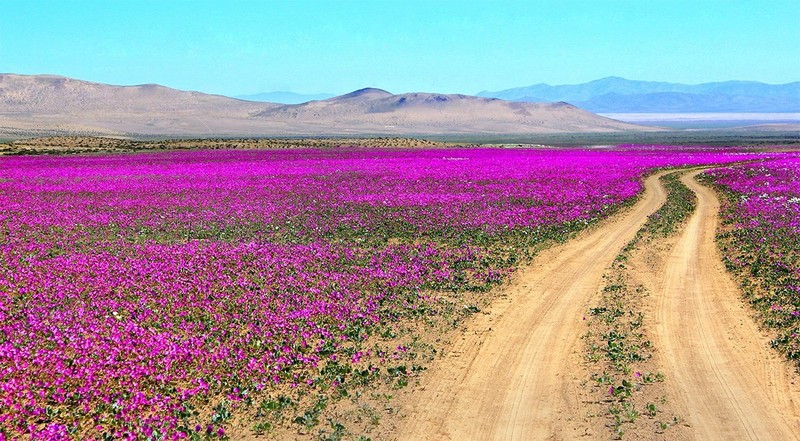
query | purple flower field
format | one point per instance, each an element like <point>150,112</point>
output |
<point>762,217</point>
<point>140,293</point>
<point>769,194</point>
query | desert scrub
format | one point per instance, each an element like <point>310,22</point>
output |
<point>617,347</point>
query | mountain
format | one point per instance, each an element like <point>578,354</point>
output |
<point>55,105</point>
<point>50,94</point>
<point>285,97</point>
<point>618,95</point>
<point>46,104</point>
<point>675,102</point>
<point>378,111</point>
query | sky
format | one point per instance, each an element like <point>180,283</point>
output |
<point>239,47</point>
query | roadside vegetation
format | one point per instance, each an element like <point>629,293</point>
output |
<point>618,350</point>
<point>760,242</point>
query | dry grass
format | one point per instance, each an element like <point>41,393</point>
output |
<point>92,144</point>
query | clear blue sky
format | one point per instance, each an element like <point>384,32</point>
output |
<point>240,47</point>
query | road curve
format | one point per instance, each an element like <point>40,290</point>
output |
<point>513,375</point>
<point>717,363</point>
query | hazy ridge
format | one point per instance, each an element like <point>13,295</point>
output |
<point>619,95</point>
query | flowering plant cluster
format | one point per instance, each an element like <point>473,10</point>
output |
<point>144,295</point>
<point>761,241</point>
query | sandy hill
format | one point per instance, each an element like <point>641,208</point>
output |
<point>47,104</point>
<point>380,111</point>
<point>49,94</point>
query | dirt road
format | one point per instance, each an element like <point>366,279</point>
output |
<point>514,374</point>
<point>719,367</point>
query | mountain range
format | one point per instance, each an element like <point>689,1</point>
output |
<point>619,95</point>
<point>48,104</point>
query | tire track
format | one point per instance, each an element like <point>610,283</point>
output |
<point>717,362</point>
<point>514,374</point>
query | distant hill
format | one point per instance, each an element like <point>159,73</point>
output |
<point>286,97</point>
<point>378,111</point>
<point>50,104</point>
<point>618,95</point>
<point>53,105</point>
